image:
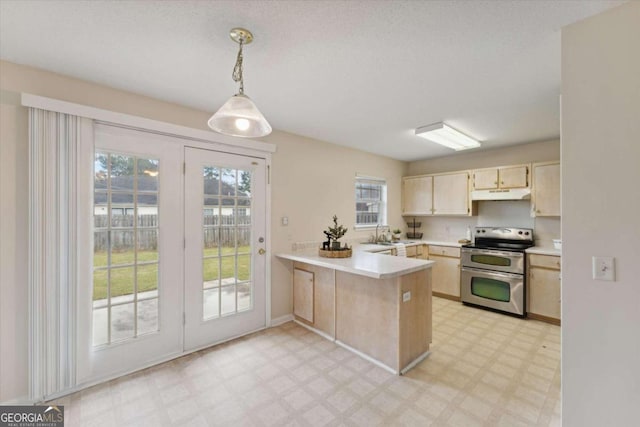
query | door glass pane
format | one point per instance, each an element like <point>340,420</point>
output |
<point>147,316</point>
<point>226,266</point>
<point>122,284</point>
<point>211,304</point>
<point>496,290</point>
<point>125,256</point>
<point>122,325</point>
<point>228,297</point>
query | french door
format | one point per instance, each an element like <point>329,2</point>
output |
<point>175,235</point>
<point>224,249</point>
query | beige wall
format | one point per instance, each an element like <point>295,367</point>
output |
<point>601,201</point>
<point>311,180</point>
<point>524,153</point>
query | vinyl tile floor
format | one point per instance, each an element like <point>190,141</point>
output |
<point>485,369</point>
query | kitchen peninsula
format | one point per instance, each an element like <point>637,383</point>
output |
<point>378,306</point>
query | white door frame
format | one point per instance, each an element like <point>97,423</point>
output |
<point>201,333</point>
<point>196,138</point>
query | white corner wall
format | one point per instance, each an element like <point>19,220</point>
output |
<point>601,216</point>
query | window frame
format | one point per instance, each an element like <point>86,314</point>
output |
<point>383,212</point>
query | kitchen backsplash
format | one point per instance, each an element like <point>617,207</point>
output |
<point>491,214</point>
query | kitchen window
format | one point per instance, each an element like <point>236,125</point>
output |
<point>371,201</point>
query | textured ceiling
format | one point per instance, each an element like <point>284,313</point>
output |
<point>362,74</point>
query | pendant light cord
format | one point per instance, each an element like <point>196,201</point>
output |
<point>237,70</point>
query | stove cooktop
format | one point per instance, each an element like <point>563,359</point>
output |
<point>502,238</point>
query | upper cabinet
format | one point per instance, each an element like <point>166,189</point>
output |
<point>441,194</point>
<point>417,195</point>
<point>451,194</point>
<point>545,195</point>
<point>504,177</point>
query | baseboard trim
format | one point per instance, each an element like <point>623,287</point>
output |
<point>367,357</point>
<point>17,401</point>
<point>542,318</point>
<point>314,330</point>
<point>415,362</point>
<point>451,297</point>
<point>282,319</point>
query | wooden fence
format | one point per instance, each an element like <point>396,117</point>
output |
<point>218,231</point>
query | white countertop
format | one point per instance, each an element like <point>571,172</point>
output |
<point>544,250</point>
<point>369,247</point>
<point>364,263</point>
<point>442,243</point>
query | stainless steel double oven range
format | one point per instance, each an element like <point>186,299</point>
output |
<point>492,271</point>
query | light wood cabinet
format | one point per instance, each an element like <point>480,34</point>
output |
<point>543,288</point>
<point>414,251</point>
<point>303,294</point>
<point>314,297</point>
<point>545,194</point>
<point>417,195</point>
<point>451,194</point>
<point>441,194</point>
<point>445,273</point>
<point>504,177</point>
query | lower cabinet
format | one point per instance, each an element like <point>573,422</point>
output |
<point>413,251</point>
<point>314,292</point>
<point>543,288</point>
<point>445,273</point>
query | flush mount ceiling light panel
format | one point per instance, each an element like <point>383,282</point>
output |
<point>239,116</point>
<point>443,134</point>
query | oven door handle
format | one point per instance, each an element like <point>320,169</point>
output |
<point>492,273</point>
<point>493,252</point>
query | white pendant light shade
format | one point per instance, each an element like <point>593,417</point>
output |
<point>239,116</point>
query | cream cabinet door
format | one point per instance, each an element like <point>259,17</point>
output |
<point>544,292</point>
<point>513,177</point>
<point>451,194</point>
<point>445,276</point>
<point>546,190</point>
<point>485,179</point>
<point>417,195</point>
<point>303,294</point>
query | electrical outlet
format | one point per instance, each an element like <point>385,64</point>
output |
<point>285,221</point>
<point>406,296</point>
<point>604,268</point>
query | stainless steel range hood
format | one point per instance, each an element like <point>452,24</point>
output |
<point>510,194</point>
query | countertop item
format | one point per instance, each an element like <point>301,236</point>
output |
<point>364,263</point>
<point>544,250</point>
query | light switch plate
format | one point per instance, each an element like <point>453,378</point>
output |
<point>406,296</point>
<point>604,268</point>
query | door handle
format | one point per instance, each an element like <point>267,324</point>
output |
<point>262,251</point>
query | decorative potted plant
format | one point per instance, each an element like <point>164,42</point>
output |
<point>397,233</point>
<point>331,248</point>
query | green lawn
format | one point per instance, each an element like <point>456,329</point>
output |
<point>122,279</point>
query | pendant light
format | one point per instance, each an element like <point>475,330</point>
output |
<point>239,116</point>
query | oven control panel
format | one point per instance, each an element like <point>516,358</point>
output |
<point>504,233</point>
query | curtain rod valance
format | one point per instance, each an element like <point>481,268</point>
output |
<point>121,119</point>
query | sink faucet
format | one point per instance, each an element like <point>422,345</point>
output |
<point>382,237</point>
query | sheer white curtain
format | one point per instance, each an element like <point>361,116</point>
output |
<point>54,142</point>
